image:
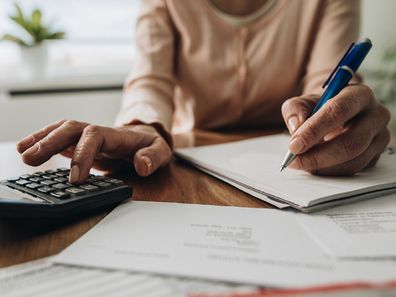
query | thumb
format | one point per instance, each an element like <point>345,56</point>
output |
<point>296,110</point>
<point>148,159</point>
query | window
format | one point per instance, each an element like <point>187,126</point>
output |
<point>99,37</point>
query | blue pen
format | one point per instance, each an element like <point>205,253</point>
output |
<point>338,80</point>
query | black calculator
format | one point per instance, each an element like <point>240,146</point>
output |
<point>49,195</point>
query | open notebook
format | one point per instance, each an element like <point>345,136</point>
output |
<point>253,166</point>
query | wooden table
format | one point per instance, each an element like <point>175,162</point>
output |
<point>174,183</point>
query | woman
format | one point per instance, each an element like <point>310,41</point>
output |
<point>220,63</point>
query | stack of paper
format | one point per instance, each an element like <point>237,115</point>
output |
<point>253,166</point>
<point>44,279</point>
<point>264,247</point>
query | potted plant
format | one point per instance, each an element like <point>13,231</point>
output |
<point>32,38</point>
<point>383,82</point>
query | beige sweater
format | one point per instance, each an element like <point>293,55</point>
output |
<point>194,69</point>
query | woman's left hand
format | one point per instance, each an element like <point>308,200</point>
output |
<point>347,135</point>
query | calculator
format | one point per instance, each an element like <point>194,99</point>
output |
<point>49,195</point>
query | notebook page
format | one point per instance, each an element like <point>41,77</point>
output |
<point>256,162</point>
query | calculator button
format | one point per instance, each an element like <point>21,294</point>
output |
<point>45,189</point>
<point>62,169</point>
<point>49,176</point>
<point>12,179</point>
<point>75,190</point>
<point>33,186</point>
<point>102,184</point>
<point>22,182</point>
<point>60,186</point>
<point>99,177</point>
<point>47,182</point>
<point>115,181</point>
<point>25,176</point>
<point>37,174</point>
<point>61,174</point>
<point>60,194</point>
<point>89,187</point>
<point>36,179</point>
<point>50,171</point>
<point>61,179</point>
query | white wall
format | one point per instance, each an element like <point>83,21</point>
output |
<point>20,116</point>
<point>378,24</point>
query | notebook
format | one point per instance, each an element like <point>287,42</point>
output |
<point>253,165</point>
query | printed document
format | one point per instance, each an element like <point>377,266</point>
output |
<point>362,230</point>
<point>44,279</point>
<point>265,247</point>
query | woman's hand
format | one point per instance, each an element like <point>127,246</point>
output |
<point>90,145</point>
<point>347,135</point>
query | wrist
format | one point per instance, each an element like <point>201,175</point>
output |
<point>152,128</point>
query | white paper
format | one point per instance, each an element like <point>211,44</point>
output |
<point>245,189</point>
<point>363,230</point>
<point>256,246</point>
<point>12,195</point>
<point>44,279</point>
<point>256,163</point>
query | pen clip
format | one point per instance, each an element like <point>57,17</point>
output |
<point>338,65</point>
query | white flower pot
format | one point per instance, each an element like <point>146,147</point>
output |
<point>34,59</point>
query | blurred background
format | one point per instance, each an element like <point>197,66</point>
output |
<point>80,77</point>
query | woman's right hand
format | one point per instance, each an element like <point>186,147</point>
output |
<point>96,146</point>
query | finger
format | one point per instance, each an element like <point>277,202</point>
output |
<point>30,140</point>
<point>367,159</point>
<point>346,146</point>
<point>116,143</point>
<point>296,110</point>
<point>87,148</point>
<point>55,142</point>
<point>149,159</point>
<point>373,161</point>
<point>69,152</point>
<point>334,114</point>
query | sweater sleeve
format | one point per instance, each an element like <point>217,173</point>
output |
<point>337,29</point>
<point>148,91</point>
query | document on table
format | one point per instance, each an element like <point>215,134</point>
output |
<point>254,165</point>
<point>257,246</point>
<point>363,230</point>
<point>45,279</point>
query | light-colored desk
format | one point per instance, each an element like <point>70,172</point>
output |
<point>174,183</point>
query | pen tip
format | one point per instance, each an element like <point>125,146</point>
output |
<point>283,167</point>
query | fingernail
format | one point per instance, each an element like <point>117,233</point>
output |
<point>34,149</point>
<point>296,146</point>
<point>148,162</point>
<point>293,124</point>
<point>74,174</point>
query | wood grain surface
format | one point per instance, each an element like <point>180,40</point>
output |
<point>177,182</point>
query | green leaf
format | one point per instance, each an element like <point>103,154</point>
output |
<point>18,20</point>
<point>13,38</point>
<point>19,12</point>
<point>33,26</point>
<point>56,35</point>
<point>390,56</point>
<point>36,18</point>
